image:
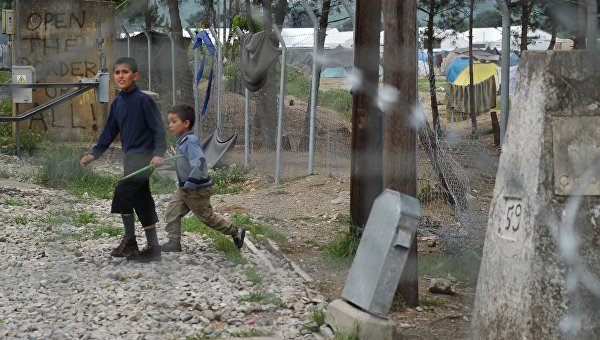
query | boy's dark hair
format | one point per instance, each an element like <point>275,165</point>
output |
<point>128,61</point>
<point>184,112</point>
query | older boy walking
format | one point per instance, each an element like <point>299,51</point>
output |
<point>135,116</point>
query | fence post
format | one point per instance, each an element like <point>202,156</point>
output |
<point>147,34</point>
<point>280,106</point>
<point>219,74</point>
<point>169,34</point>
<point>313,90</point>
<point>197,129</point>
<point>246,113</point>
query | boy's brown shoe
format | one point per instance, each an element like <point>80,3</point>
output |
<point>147,254</point>
<point>171,246</point>
<point>127,247</point>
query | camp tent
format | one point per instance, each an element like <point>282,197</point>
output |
<point>464,53</point>
<point>481,72</point>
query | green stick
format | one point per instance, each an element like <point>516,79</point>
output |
<point>148,167</point>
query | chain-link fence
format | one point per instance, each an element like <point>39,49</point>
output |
<point>455,173</point>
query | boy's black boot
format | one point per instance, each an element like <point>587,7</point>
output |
<point>147,254</point>
<point>238,239</point>
<point>127,247</point>
<point>171,246</point>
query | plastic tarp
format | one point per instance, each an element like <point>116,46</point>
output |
<point>455,68</point>
<point>464,53</point>
<point>481,72</point>
<point>334,72</point>
<point>214,148</point>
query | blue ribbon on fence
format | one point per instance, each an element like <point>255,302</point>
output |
<point>202,37</point>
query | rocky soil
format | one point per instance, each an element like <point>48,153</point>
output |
<point>59,282</point>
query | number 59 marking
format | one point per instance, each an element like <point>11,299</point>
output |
<point>513,217</point>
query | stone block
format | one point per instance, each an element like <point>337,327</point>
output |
<point>342,317</point>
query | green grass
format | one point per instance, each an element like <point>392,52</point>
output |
<point>4,174</point>
<point>262,298</point>
<point>440,81</point>
<point>250,333</point>
<point>352,335</point>
<point>253,275</point>
<point>341,251</point>
<point>85,218</point>
<point>21,220</point>
<point>5,76</point>
<point>222,243</point>
<point>111,231</point>
<point>228,180</point>
<point>59,168</point>
<point>298,85</point>
<point>257,229</point>
<point>161,184</point>
<point>434,302</point>
<point>464,269</point>
<point>318,319</point>
<point>14,202</point>
<point>29,141</point>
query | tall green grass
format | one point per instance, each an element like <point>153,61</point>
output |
<point>59,168</point>
<point>222,243</point>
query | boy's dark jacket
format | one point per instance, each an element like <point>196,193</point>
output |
<point>136,117</point>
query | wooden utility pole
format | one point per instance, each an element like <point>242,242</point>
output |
<point>399,156</point>
<point>474,132</point>
<point>365,182</point>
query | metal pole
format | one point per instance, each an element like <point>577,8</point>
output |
<point>280,106</point>
<point>172,68</point>
<point>99,39</point>
<point>313,91</point>
<point>504,67</point>
<point>219,69</point>
<point>246,115</point>
<point>592,24</point>
<point>149,59</point>
<point>194,84</point>
<point>18,32</point>
<point>128,42</point>
<point>18,137</point>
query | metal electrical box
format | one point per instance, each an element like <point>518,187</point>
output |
<point>23,75</point>
<point>8,23</point>
<point>103,89</point>
<point>382,252</point>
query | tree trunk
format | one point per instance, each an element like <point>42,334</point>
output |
<point>399,154</point>
<point>580,39</point>
<point>249,17</point>
<point>183,74</point>
<point>147,15</point>
<point>365,168</point>
<point>474,132</point>
<point>524,23</point>
<point>432,87</point>
<point>323,23</point>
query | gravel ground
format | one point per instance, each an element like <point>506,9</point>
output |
<point>58,280</point>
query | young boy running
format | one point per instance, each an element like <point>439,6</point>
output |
<point>195,186</point>
<point>135,116</point>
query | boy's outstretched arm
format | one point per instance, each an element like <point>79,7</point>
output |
<point>85,160</point>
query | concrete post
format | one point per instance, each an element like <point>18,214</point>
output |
<point>541,261</point>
